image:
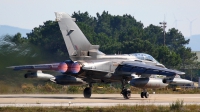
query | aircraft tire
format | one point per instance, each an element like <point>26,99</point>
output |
<point>126,93</point>
<point>142,94</point>
<point>146,94</point>
<point>87,92</point>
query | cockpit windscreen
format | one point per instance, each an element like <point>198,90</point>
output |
<point>144,56</point>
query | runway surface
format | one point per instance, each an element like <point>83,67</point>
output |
<point>96,100</point>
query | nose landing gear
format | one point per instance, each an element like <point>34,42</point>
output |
<point>126,93</point>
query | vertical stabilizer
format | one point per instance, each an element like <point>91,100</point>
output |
<point>76,42</point>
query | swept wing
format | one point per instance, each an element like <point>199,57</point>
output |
<point>141,68</point>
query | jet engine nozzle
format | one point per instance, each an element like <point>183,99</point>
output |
<point>69,67</point>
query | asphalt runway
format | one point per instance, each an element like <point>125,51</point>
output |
<point>96,100</point>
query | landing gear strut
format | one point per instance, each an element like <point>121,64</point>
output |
<point>144,94</point>
<point>125,92</point>
<point>87,91</point>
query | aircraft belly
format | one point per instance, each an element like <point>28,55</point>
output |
<point>98,76</point>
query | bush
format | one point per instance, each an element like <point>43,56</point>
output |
<point>72,89</point>
<point>27,88</point>
<point>177,105</point>
<point>4,89</point>
<point>47,88</point>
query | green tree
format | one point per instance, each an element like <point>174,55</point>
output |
<point>167,57</point>
<point>18,39</point>
<point>153,34</point>
<point>49,38</point>
<point>175,40</point>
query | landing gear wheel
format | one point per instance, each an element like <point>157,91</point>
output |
<point>142,94</point>
<point>146,94</point>
<point>87,92</point>
<point>126,93</point>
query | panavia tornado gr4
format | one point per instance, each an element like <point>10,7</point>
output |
<point>88,65</point>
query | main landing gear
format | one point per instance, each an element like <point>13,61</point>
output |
<point>125,92</point>
<point>87,91</point>
<point>144,94</point>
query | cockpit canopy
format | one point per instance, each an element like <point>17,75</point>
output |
<point>144,56</point>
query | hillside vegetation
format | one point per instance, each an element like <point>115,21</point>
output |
<point>115,34</point>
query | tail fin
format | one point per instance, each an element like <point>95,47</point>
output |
<point>76,42</point>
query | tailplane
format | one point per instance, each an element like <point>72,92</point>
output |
<point>76,42</point>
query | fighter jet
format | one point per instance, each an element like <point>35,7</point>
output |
<point>88,65</point>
